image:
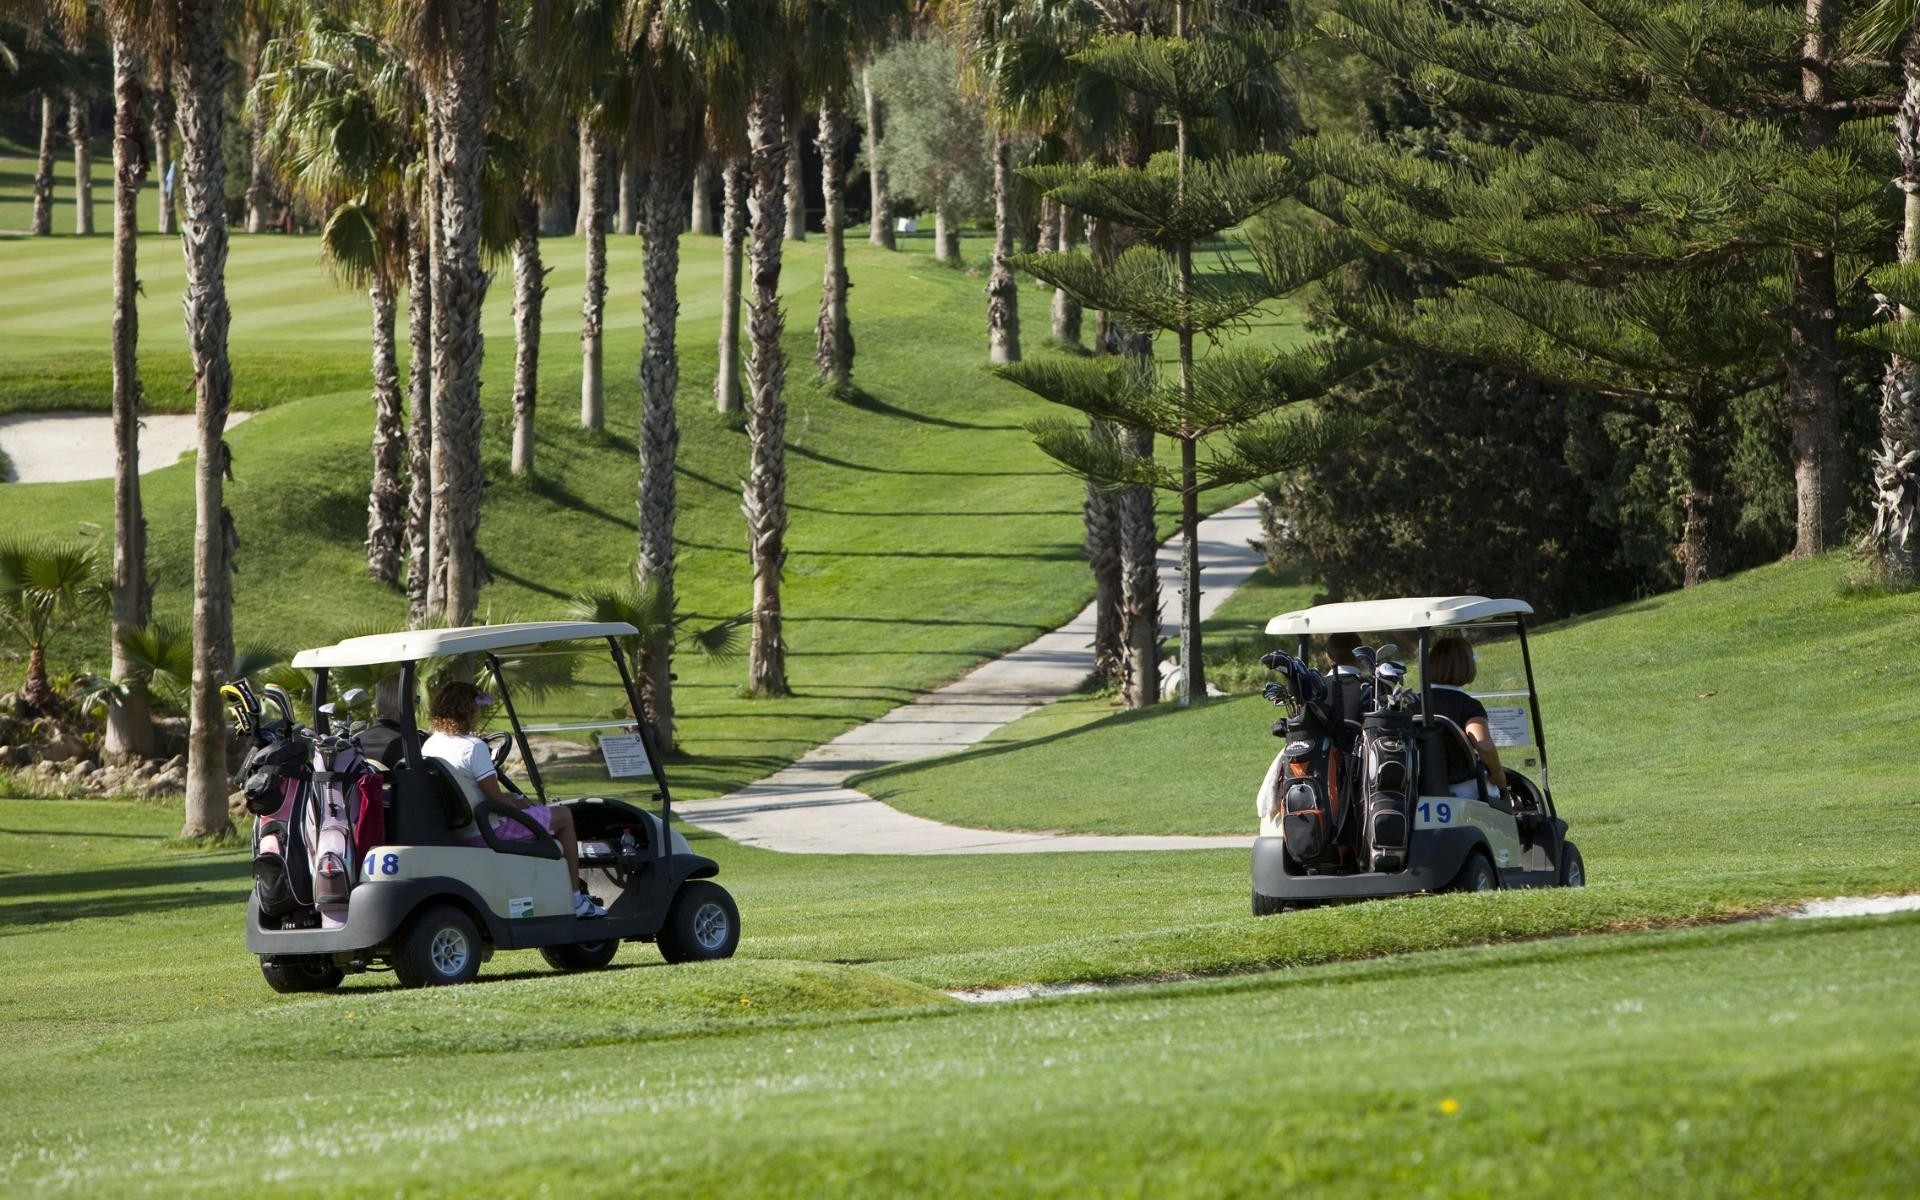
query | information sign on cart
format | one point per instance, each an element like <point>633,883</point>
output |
<point>626,755</point>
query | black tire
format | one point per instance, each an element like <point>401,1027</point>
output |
<point>437,948</point>
<point>1573,868</point>
<point>1476,875</point>
<point>581,956</point>
<point>290,975</point>
<point>1267,906</point>
<point>702,924</point>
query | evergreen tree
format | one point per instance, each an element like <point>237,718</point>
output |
<point>1232,399</point>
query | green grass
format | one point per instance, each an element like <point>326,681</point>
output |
<point>922,484</point>
<point>149,1057</point>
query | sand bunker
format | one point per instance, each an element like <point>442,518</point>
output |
<point>59,447</point>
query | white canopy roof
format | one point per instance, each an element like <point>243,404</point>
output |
<point>412,645</point>
<point>1385,616</point>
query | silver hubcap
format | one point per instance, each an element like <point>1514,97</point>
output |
<point>1483,882</point>
<point>710,926</point>
<point>1576,876</point>
<point>449,952</point>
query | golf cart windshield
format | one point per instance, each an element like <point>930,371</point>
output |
<point>575,724</point>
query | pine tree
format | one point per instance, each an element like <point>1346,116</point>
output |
<point>1232,400</point>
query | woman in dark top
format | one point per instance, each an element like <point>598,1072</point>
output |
<point>1450,667</point>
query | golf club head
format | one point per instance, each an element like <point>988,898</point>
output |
<point>329,709</point>
<point>1386,651</point>
<point>1273,659</point>
<point>278,697</point>
<point>1392,673</point>
<point>1364,656</point>
<point>353,698</point>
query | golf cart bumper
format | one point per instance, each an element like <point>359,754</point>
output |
<point>1434,860</point>
<point>375,913</point>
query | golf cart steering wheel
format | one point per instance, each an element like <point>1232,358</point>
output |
<point>499,745</point>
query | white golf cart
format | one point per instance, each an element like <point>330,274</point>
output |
<point>424,899</point>
<point>1375,794</point>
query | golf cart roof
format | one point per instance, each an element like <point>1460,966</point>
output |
<point>411,645</point>
<point>1380,616</point>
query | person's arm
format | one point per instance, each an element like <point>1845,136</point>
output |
<point>486,776</point>
<point>1481,736</point>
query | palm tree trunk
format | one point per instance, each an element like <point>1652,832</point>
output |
<point>37,696</point>
<point>43,170</point>
<point>946,234</point>
<point>880,226</point>
<point>1896,469</point>
<point>1699,433</point>
<point>1139,583</point>
<point>78,131</point>
<point>1003,294</point>
<point>764,496</point>
<point>796,189</point>
<point>593,208</point>
<point>1813,356</point>
<point>626,218</point>
<point>163,158</point>
<point>459,90</point>
<point>1102,514</point>
<point>529,294</point>
<point>1066,310</point>
<point>387,497</point>
<point>833,333</point>
<point>733,235</point>
<point>700,201</point>
<point>664,209</point>
<point>130,721</point>
<point>202,65</point>
<point>261,184</point>
<point>419,418</point>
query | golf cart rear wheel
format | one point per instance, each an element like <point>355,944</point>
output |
<point>439,947</point>
<point>1476,875</point>
<point>1267,906</point>
<point>702,924</point>
<point>289,975</point>
<point>581,956</point>
<point>1573,870</point>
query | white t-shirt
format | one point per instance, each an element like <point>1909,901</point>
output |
<point>463,752</point>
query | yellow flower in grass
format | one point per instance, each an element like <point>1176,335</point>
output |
<point>1450,1106</point>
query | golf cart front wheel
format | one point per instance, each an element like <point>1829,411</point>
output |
<point>581,956</point>
<point>290,975</point>
<point>1476,875</point>
<point>1573,870</point>
<point>702,924</point>
<point>439,947</point>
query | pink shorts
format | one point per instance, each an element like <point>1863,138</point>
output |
<point>508,830</point>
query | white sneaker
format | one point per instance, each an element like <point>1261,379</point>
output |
<point>586,906</point>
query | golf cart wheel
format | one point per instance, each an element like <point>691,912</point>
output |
<point>289,975</point>
<point>581,956</point>
<point>1267,906</point>
<point>439,947</point>
<point>1573,869</point>
<point>702,924</point>
<point>1476,875</point>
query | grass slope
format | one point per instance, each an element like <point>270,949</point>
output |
<point>923,484</point>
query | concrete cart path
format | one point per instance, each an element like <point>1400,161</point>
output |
<point>808,809</point>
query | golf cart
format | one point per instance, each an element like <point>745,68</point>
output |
<point>1375,794</point>
<point>362,864</point>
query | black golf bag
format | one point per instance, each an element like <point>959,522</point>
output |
<point>1387,776</point>
<point>275,779</point>
<point>1318,775</point>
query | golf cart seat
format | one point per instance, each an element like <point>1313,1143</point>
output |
<point>429,807</point>
<point>1447,758</point>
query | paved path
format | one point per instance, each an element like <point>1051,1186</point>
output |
<point>63,446</point>
<point>808,809</point>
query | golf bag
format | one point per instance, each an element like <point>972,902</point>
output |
<point>276,775</point>
<point>340,794</point>
<point>1308,799</point>
<point>1387,774</point>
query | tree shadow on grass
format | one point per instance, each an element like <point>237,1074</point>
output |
<point>25,916</point>
<point>855,396</point>
<point>843,464</point>
<point>866,780</point>
<point>128,878</point>
<point>500,572</point>
<point>558,493</point>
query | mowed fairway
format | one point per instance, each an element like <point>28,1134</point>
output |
<point>1761,1059</point>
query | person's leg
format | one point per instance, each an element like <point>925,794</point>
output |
<point>569,843</point>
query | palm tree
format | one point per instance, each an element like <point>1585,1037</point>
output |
<point>880,224</point>
<point>43,170</point>
<point>594,177</point>
<point>336,107</point>
<point>79,130</point>
<point>44,586</point>
<point>764,495</point>
<point>733,236</point>
<point>162,91</point>
<point>129,722</point>
<point>451,48</point>
<point>833,332</point>
<point>1896,465</point>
